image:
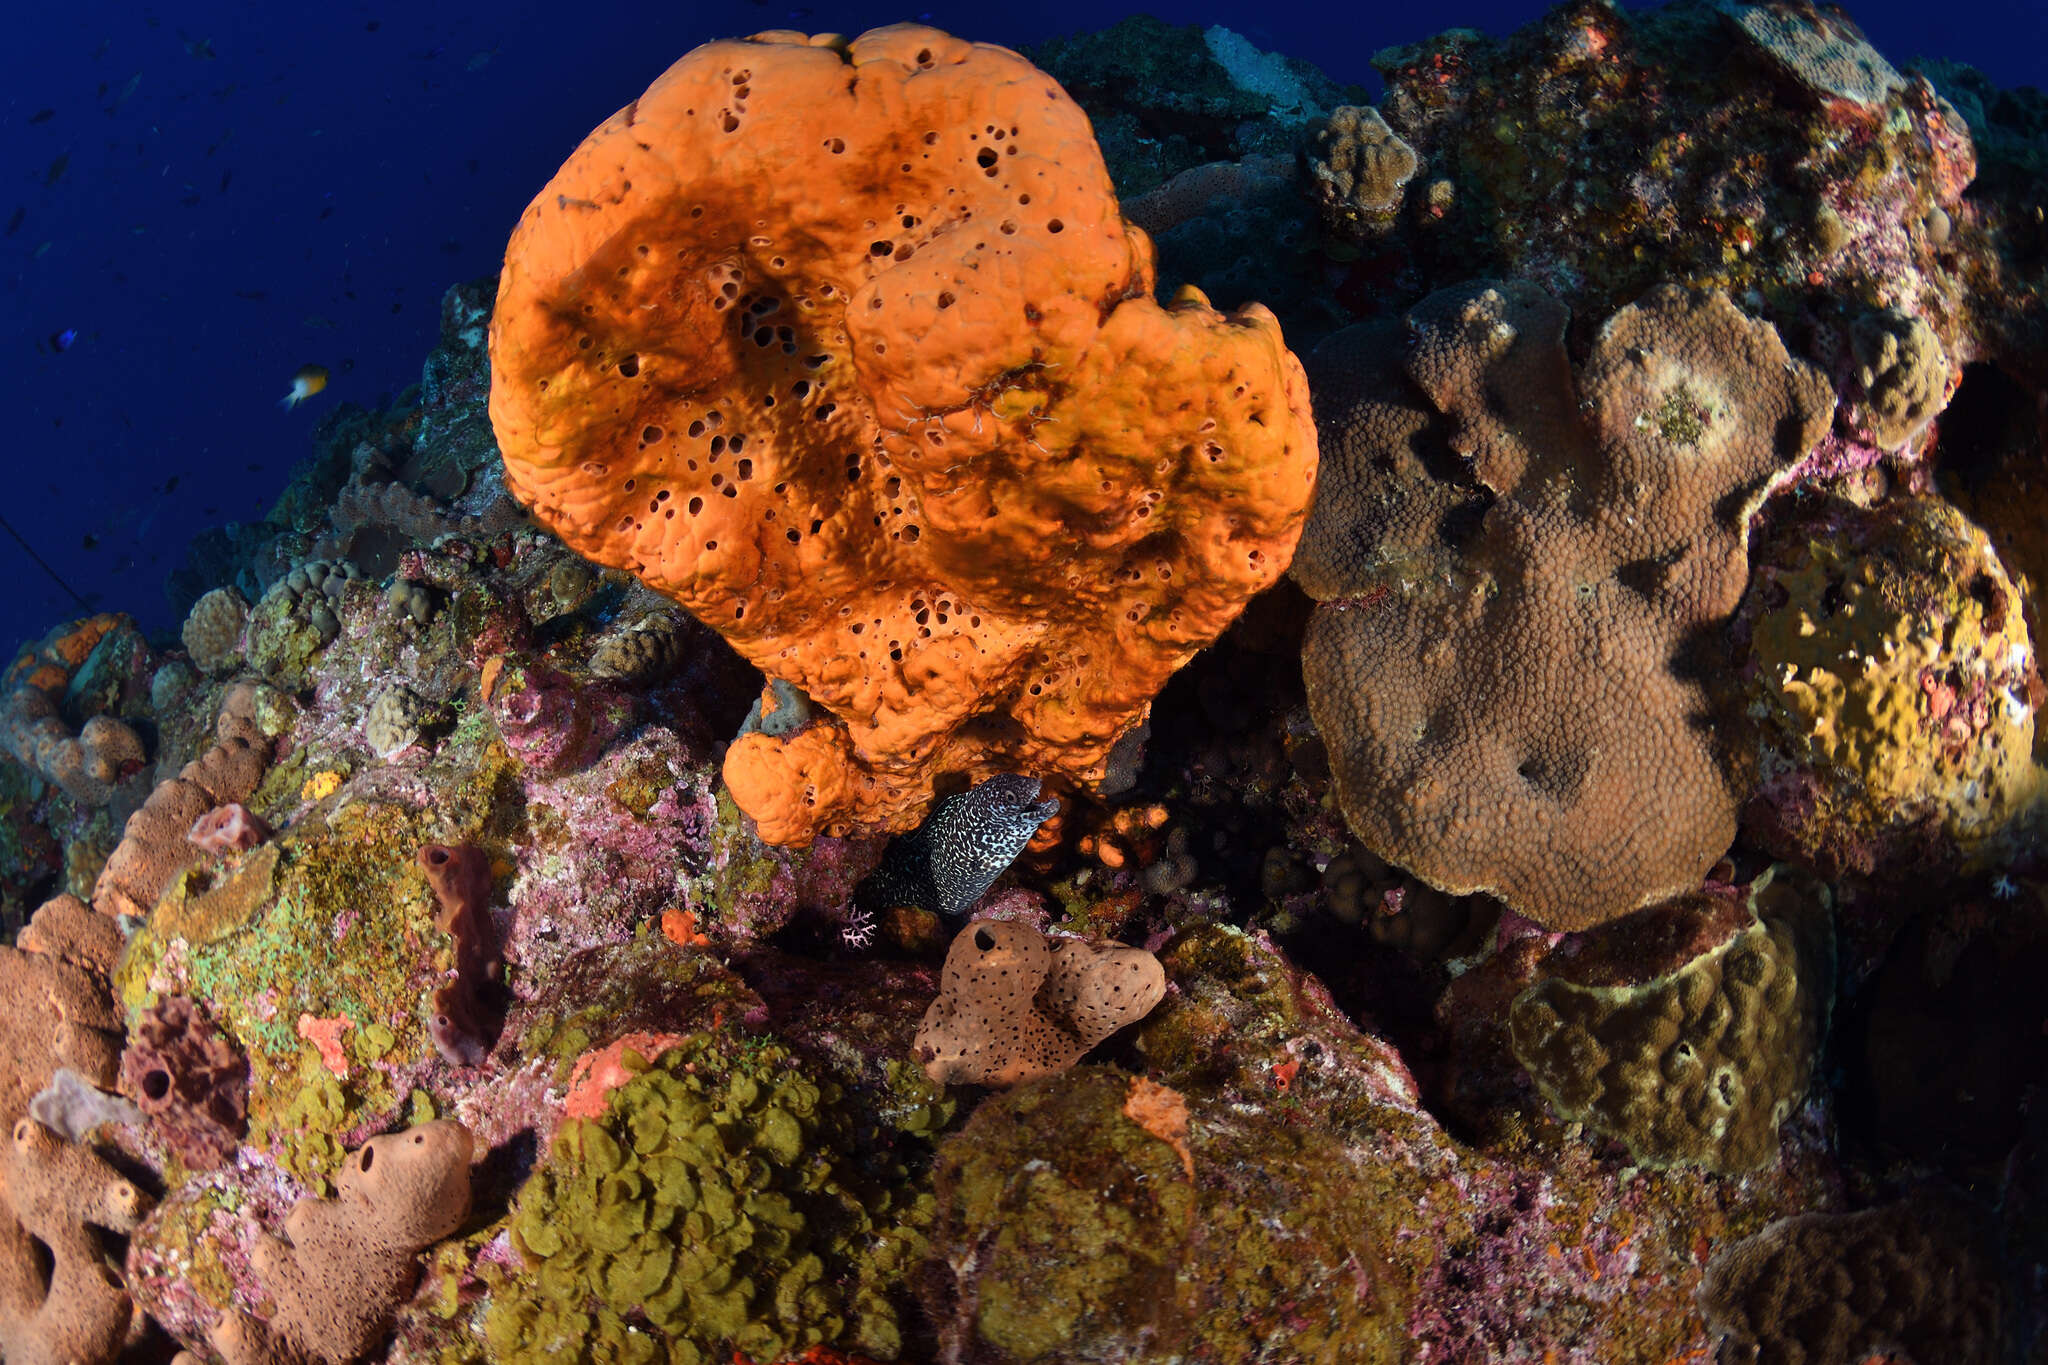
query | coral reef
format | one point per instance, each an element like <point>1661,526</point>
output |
<point>1508,575</point>
<point>1349,1098</point>
<point>924,594</point>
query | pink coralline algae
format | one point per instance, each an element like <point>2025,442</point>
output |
<point>228,829</point>
<point>552,724</point>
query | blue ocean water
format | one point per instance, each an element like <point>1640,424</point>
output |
<point>200,199</point>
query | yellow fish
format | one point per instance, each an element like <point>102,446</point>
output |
<point>308,381</point>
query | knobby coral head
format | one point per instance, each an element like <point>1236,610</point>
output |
<point>846,347</point>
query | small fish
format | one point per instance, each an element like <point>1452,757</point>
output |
<point>126,91</point>
<point>61,341</point>
<point>14,220</point>
<point>308,381</point>
<point>171,484</point>
<point>201,48</point>
<point>480,60</point>
<point>101,50</point>
<point>226,176</point>
<point>57,169</point>
<point>253,295</point>
<point>89,542</point>
<point>42,116</point>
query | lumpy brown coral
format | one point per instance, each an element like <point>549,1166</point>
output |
<point>1509,555</point>
<point>1847,1287</point>
<point>1697,1034</point>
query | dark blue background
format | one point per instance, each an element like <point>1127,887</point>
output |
<point>250,188</point>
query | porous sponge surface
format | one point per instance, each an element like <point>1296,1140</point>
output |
<point>847,348</point>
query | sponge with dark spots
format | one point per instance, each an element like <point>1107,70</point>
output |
<point>1014,1004</point>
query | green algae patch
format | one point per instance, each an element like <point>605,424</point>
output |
<point>1094,1212</point>
<point>716,1203</point>
<point>199,912</point>
<point>327,933</point>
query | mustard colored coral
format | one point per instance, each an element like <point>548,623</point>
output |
<point>1895,684</point>
<point>846,347</point>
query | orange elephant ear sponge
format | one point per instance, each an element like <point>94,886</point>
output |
<point>847,348</point>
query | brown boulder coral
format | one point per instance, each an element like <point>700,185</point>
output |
<point>1909,1278</point>
<point>1689,1031</point>
<point>1509,557</point>
<point>846,347</point>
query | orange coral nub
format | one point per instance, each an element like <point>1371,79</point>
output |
<point>847,348</point>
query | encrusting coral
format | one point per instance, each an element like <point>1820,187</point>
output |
<point>645,651</point>
<point>1892,686</point>
<point>1509,556</point>
<point>1014,1004</point>
<point>213,630</point>
<point>1359,169</point>
<point>923,445</point>
<point>709,1199</point>
<point>395,721</point>
<point>61,1302</point>
<point>345,1263</point>
<point>1691,1031</point>
<point>1905,377</point>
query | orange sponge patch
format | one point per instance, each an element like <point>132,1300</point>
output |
<point>847,348</point>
